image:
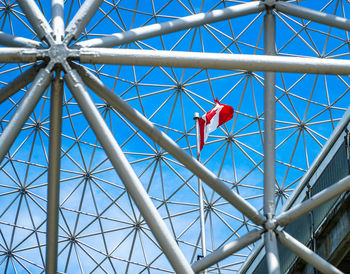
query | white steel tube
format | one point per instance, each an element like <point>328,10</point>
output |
<point>200,191</point>
<point>54,175</point>
<point>187,22</point>
<point>127,174</point>
<point>315,201</point>
<point>26,107</point>
<point>214,61</point>
<point>81,19</point>
<point>57,11</point>
<point>20,42</point>
<point>36,19</point>
<point>226,250</point>
<point>306,254</point>
<point>313,15</point>
<point>18,83</point>
<point>170,146</point>
<point>269,146</point>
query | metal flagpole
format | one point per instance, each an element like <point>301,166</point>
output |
<point>200,191</point>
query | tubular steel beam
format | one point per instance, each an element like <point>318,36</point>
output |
<point>26,107</point>
<point>306,254</point>
<point>269,146</point>
<point>18,83</point>
<point>187,22</point>
<point>36,19</point>
<point>127,174</point>
<point>18,55</point>
<point>81,19</point>
<point>57,11</point>
<point>20,42</point>
<point>315,201</point>
<point>170,146</point>
<point>214,61</point>
<point>313,15</point>
<point>226,250</point>
<point>54,175</point>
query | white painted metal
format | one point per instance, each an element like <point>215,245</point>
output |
<point>220,61</point>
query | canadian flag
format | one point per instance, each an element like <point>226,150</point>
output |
<point>214,118</point>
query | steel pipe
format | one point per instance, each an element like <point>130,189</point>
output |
<point>315,201</point>
<point>169,145</point>
<point>81,19</point>
<point>20,42</point>
<point>127,174</point>
<point>54,175</point>
<point>57,11</point>
<point>18,83</point>
<point>306,254</point>
<point>313,15</point>
<point>226,250</point>
<point>26,107</point>
<point>187,22</point>
<point>222,61</point>
<point>36,19</point>
<point>270,241</point>
<point>18,55</point>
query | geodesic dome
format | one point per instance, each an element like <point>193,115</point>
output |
<point>98,141</point>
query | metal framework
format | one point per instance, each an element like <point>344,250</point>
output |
<point>66,211</point>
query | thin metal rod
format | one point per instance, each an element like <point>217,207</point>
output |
<point>306,254</point>
<point>226,250</point>
<point>214,61</point>
<point>315,201</point>
<point>127,174</point>
<point>187,22</point>
<point>313,15</point>
<point>81,19</point>
<point>57,11</point>
<point>18,83</point>
<point>269,145</point>
<point>15,41</point>
<point>18,55</point>
<point>200,192</point>
<point>26,107</point>
<point>36,19</point>
<point>170,146</point>
<point>54,175</point>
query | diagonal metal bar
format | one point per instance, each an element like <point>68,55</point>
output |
<point>270,241</point>
<point>315,201</point>
<point>313,15</point>
<point>169,145</point>
<point>305,253</point>
<point>214,61</point>
<point>57,10</point>
<point>36,19</point>
<point>15,41</point>
<point>26,107</point>
<point>18,55</point>
<point>127,174</point>
<point>187,22</point>
<point>226,250</point>
<point>81,19</point>
<point>19,82</point>
<point>54,174</point>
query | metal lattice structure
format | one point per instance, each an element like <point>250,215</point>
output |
<point>98,96</point>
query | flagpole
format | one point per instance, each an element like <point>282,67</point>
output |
<point>200,191</point>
